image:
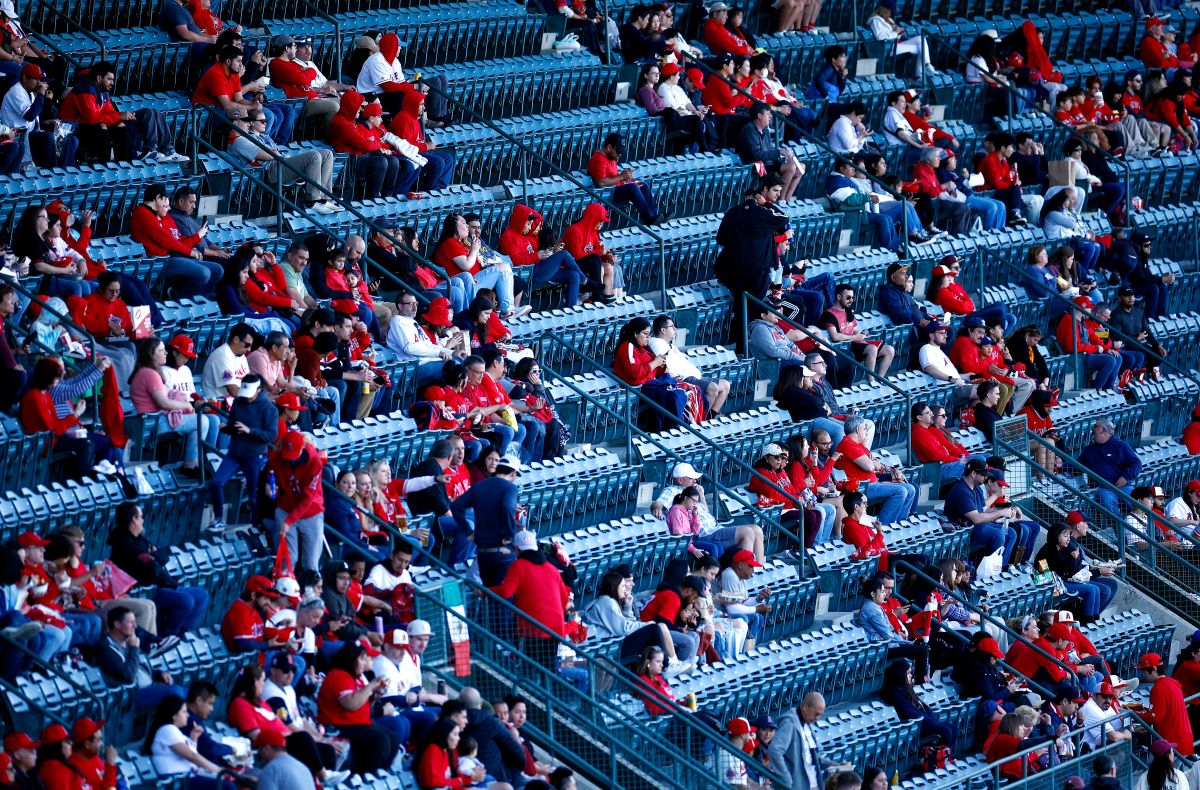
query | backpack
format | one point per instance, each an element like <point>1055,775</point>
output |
<point>932,758</point>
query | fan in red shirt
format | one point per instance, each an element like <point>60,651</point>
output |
<point>582,240</point>
<point>1191,433</point>
<point>89,757</point>
<point>437,765</point>
<point>1153,50</point>
<point>605,171</point>
<point>780,491</point>
<point>1168,713</point>
<point>243,626</point>
<point>1001,175</point>
<point>718,38</point>
<point>344,701</point>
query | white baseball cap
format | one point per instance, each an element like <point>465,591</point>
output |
<point>684,469</point>
<point>419,628</point>
<point>525,541</point>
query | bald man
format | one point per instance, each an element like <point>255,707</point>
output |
<point>794,753</point>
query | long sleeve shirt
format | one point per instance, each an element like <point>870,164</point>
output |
<point>159,235</point>
<point>756,145</point>
<point>494,502</point>
<point>410,341</point>
<point>1112,460</point>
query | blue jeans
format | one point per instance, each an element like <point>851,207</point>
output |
<point>640,196</point>
<point>754,623</point>
<point>460,290</point>
<point>1132,360</point>
<point>281,117</point>
<point>65,287</point>
<point>815,293</point>
<point>992,212</point>
<point>534,443</point>
<point>1105,367</point>
<point>379,172</point>
<point>1095,594</point>
<point>504,436</point>
<point>180,609</point>
<point>902,212</point>
<point>500,280</point>
<point>998,312</point>
<point>560,268</point>
<point>191,277</point>
<point>1088,251</point>
<point>885,229</point>
<point>1028,535</point>
<point>85,628</point>
<point>250,468</point>
<point>828,516</point>
<point>1155,294</point>
<point>304,539</point>
<point>990,537</point>
<point>438,171</point>
<point>954,470</point>
<point>900,500</point>
<point>406,179</point>
<point>1108,500</point>
<point>45,154</point>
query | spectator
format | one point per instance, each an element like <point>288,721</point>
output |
<point>898,692</point>
<point>493,503</point>
<point>794,752</point>
<point>373,164</point>
<point>747,536</point>
<point>106,316</point>
<point>1109,458</point>
<point>499,751</point>
<point>1104,724</point>
<point>253,426</point>
<point>297,82</point>
<point>89,756</point>
<point>717,36</point>
<point>873,619</point>
<point>461,250</point>
<point>895,300</point>
<point>932,443</point>
<point>437,765</point>
<point>173,751</point>
<point>847,134</point>
<point>437,165</point>
<point>1066,558</point>
<point>185,271</point>
<point>427,342</point>
<point>694,130</point>
<point>731,768</point>
<point>735,598</point>
<point>1184,510</point>
<point>537,589</point>
<point>522,243</point>
<point>1075,334</point>
<point>947,293</point>
<point>228,365</point>
<point>383,76</point>
<point>605,172</point>
<point>1168,714</point>
<point>22,751</point>
<point>120,658</point>
<point>255,149</point>
<point>174,19</point>
<point>830,79</point>
<point>1002,176</point>
<point>1129,319</point>
<point>1013,736</point>
<point>248,712</point>
<point>105,132</point>
<point>173,412</point>
<point>768,340</point>
<point>900,496</point>
<point>1153,50</point>
<point>344,702</point>
<point>22,110</point>
<point>754,144</point>
<point>1162,773</point>
<point>839,323</point>
<point>936,364</point>
<point>50,404</point>
<point>281,771</point>
<point>300,498</point>
<point>965,505</point>
<point>866,535</point>
<point>611,615</point>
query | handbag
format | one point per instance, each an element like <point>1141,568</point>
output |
<point>112,583</point>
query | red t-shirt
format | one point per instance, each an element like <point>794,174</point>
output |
<point>450,249</point>
<point>216,82</point>
<point>851,450</point>
<point>337,684</point>
<point>246,717</point>
<point>242,621</point>
<point>664,604</point>
<point>867,541</point>
<point>600,166</point>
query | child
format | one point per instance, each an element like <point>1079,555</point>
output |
<point>468,762</point>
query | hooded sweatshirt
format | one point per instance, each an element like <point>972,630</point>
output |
<point>521,247</point>
<point>407,123</point>
<point>583,238</point>
<point>87,104</point>
<point>382,72</point>
<point>299,484</point>
<point>345,134</point>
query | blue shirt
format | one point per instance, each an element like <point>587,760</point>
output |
<point>961,500</point>
<point>172,15</point>
<point>1112,460</point>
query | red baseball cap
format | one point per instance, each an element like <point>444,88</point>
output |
<point>747,556</point>
<point>290,400</point>
<point>989,646</point>
<point>30,538</point>
<point>1194,486</point>
<point>16,741</point>
<point>54,733</point>
<point>261,585</point>
<point>1058,631</point>
<point>184,345</point>
<point>1075,517</point>
<point>85,728</point>
<point>292,446</point>
<point>272,738</point>
<point>33,71</point>
<point>372,651</point>
<point>740,726</point>
<point>1150,661</point>
<point>670,70</point>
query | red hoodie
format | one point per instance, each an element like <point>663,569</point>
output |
<point>514,242</point>
<point>720,40</point>
<point>159,235</point>
<point>407,123</point>
<point>345,134</point>
<point>583,238</point>
<point>299,484</point>
<point>389,47</point>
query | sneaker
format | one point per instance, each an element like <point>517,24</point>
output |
<point>334,778</point>
<point>174,157</point>
<point>678,667</point>
<point>19,633</point>
<point>218,525</point>
<point>520,312</point>
<point>163,645</point>
<point>153,157</point>
<point>105,467</point>
<point>326,207</point>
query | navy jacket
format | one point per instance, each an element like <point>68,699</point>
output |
<point>1111,460</point>
<point>494,501</point>
<point>262,418</point>
<point>899,305</point>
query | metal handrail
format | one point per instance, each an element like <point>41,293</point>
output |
<point>907,396</point>
<point>1014,636</point>
<point>276,190</point>
<point>1014,95</point>
<point>619,673</point>
<point>527,153</point>
<point>713,446</point>
<point>56,672</point>
<point>337,34</point>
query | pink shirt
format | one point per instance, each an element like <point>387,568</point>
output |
<point>144,384</point>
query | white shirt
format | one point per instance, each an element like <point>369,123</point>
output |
<point>1092,716</point>
<point>679,366</point>
<point>320,79</point>
<point>733,587</point>
<point>1178,508</point>
<point>287,695</point>
<point>935,362</point>
<point>165,760</point>
<point>674,97</point>
<point>894,121</point>
<point>977,70</point>
<point>16,103</point>
<point>843,138</point>
<point>396,682</point>
<point>381,578</point>
<point>409,341</point>
<point>377,70</point>
<point>809,743</point>
<point>180,380</point>
<point>881,29</point>
<point>222,369</point>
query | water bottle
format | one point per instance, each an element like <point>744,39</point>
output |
<point>272,487</point>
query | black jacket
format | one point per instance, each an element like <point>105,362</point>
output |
<point>262,418</point>
<point>754,145</point>
<point>498,750</point>
<point>119,664</point>
<point>433,499</point>
<point>1132,323</point>
<point>747,238</point>
<point>140,558</point>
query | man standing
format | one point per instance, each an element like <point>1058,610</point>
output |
<point>1111,459</point>
<point>493,501</point>
<point>254,425</point>
<point>605,172</point>
<point>794,753</point>
<point>1168,712</point>
<point>299,499</point>
<point>755,145</point>
<point>747,236</point>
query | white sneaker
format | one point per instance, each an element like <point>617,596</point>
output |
<point>679,667</point>
<point>153,157</point>
<point>174,157</point>
<point>326,207</point>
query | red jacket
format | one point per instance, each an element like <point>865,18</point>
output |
<point>407,123</point>
<point>659,683</point>
<point>521,247</point>
<point>300,493</point>
<point>927,179</point>
<point>968,358</point>
<point>38,414</point>
<point>159,235</point>
<point>85,105</point>
<point>769,497</point>
<point>537,589</point>
<point>720,97</point>
<point>583,237</point>
<point>1168,714</point>
<point>56,774</point>
<point>935,446</point>
<point>1071,339</point>
<point>1155,55</point>
<point>631,363</point>
<point>953,298</point>
<point>293,79</point>
<point>346,135</point>
<point>997,173</point>
<point>96,772</point>
<point>720,40</point>
<point>433,769</point>
<point>1026,661</point>
<point>866,541</point>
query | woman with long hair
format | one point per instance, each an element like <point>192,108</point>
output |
<point>1061,220</point>
<point>1162,773</point>
<point>898,692</point>
<point>461,251</point>
<point>234,299</point>
<point>528,386</point>
<point>54,767</point>
<point>794,391</point>
<point>248,711</point>
<point>344,701</point>
<point>474,321</point>
<point>806,472</point>
<point>884,28</point>
<point>437,765</point>
<point>611,615</point>
<point>174,414</point>
<point>172,746</point>
<point>1064,266</point>
<point>690,129</point>
<point>63,276</point>
<point>637,365</point>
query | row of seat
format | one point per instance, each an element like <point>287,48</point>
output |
<point>577,490</point>
<point>869,734</point>
<point>1124,637</point>
<point>393,438</point>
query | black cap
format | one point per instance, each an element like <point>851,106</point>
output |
<point>282,660</point>
<point>617,141</point>
<point>894,267</point>
<point>1125,290</point>
<point>975,465</point>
